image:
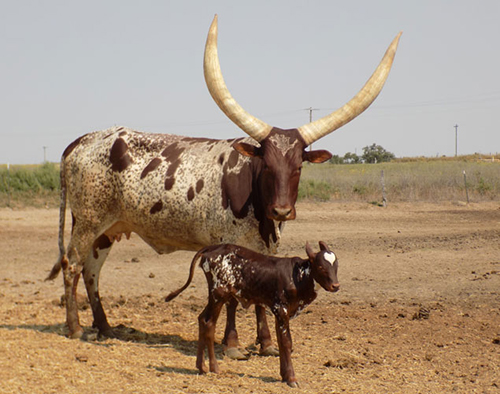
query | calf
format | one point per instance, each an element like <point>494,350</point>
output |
<point>285,285</point>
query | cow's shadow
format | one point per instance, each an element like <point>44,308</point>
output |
<point>121,333</point>
<point>130,334</point>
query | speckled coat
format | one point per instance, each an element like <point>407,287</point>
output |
<point>176,193</point>
<point>173,191</point>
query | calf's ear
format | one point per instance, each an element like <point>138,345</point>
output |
<point>323,246</point>
<point>310,252</point>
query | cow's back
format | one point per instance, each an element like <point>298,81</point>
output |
<point>169,189</point>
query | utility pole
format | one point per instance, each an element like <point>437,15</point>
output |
<point>45,154</point>
<point>311,109</point>
<point>456,140</point>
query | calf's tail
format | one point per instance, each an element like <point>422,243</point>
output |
<point>175,293</point>
<point>62,220</point>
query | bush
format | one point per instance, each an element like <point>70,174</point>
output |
<point>48,176</point>
<point>317,190</point>
<point>29,185</point>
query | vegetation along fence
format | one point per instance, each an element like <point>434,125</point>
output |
<point>404,180</point>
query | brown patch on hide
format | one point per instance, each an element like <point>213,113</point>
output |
<point>190,194</point>
<point>119,157</point>
<point>156,208</point>
<point>102,242</point>
<point>153,165</point>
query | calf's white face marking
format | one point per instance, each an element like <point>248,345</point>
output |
<point>330,257</point>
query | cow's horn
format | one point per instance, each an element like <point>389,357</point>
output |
<point>254,127</point>
<point>315,130</point>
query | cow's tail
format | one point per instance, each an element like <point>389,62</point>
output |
<point>62,220</point>
<point>175,293</point>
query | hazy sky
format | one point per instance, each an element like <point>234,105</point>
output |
<point>71,67</point>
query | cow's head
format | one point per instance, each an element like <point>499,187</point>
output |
<point>282,152</point>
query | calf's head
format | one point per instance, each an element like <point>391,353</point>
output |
<point>282,152</point>
<point>324,266</point>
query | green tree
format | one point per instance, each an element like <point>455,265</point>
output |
<point>336,159</point>
<point>376,154</point>
<point>351,158</point>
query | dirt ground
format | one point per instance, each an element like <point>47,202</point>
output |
<point>418,310</point>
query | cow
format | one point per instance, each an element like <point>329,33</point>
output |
<point>182,193</point>
<point>284,285</point>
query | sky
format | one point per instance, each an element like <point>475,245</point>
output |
<point>69,68</point>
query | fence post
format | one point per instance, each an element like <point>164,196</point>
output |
<point>8,185</point>
<point>466,189</point>
<point>384,196</point>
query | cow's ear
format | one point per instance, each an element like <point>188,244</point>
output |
<point>310,252</point>
<point>247,149</point>
<point>316,156</point>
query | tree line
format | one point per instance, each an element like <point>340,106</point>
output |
<point>371,154</point>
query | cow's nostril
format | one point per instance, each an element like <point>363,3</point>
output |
<point>282,212</point>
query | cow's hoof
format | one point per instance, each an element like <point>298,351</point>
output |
<point>235,354</point>
<point>104,334</point>
<point>269,351</point>
<point>293,385</point>
<point>77,334</point>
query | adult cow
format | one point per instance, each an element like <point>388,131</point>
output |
<point>186,193</point>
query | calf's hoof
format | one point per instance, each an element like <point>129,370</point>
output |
<point>235,354</point>
<point>202,369</point>
<point>270,351</point>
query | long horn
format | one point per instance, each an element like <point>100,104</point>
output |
<point>254,127</point>
<point>315,130</point>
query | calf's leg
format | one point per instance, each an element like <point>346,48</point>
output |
<point>207,321</point>
<point>263,333</point>
<point>230,341</point>
<point>285,348</point>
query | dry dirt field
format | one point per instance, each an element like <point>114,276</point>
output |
<point>418,310</point>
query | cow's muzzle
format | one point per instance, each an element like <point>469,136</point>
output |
<point>282,213</point>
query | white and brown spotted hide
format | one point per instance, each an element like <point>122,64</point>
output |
<point>174,192</point>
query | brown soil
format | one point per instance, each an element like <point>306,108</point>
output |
<point>418,310</point>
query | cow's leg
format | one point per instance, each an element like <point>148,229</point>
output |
<point>71,275</point>
<point>263,333</point>
<point>284,339</point>
<point>72,266</point>
<point>91,272</point>
<point>207,321</point>
<point>230,341</point>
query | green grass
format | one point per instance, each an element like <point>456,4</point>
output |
<point>434,180</point>
<point>405,180</point>
<point>29,185</point>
